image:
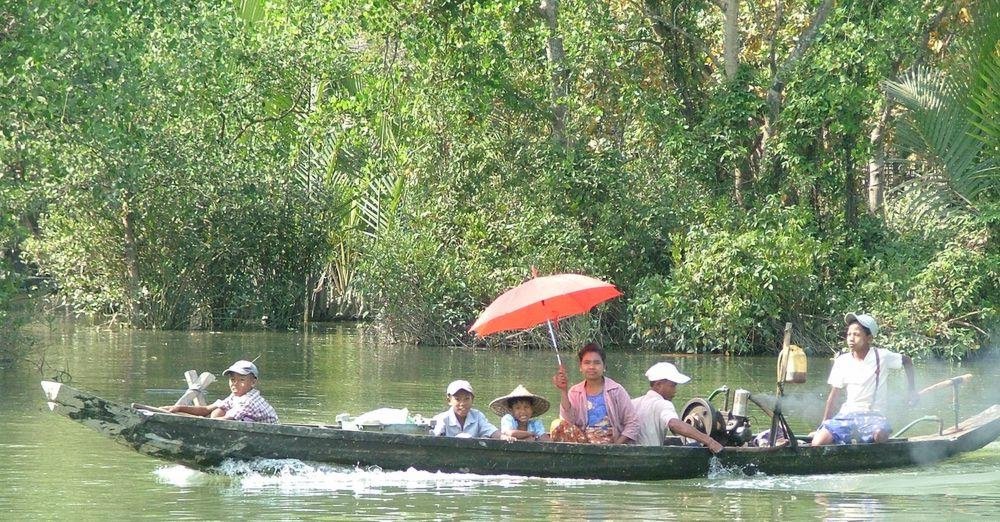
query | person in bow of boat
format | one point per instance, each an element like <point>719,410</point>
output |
<point>517,411</point>
<point>461,419</point>
<point>657,414</point>
<point>861,372</point>
<point>598,407</point>
<point>245,403</point>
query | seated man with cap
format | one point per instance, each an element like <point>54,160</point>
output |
<point>244,403</point>
<point>657,415</point>
<point>861,371</point>
<point>462,420</point>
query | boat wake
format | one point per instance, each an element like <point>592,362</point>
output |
<point>292,476</point>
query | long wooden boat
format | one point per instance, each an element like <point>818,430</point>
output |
<point>203,443</point>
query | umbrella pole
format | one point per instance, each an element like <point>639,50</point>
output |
<point>552,335</point>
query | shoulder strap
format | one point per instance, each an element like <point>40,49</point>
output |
<point>878,368</point>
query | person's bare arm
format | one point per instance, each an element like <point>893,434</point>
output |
<point>201,411</point>
<point>679,427</point>
<point>622,439</point>
<point>831,403</point>
<point>561,382</point>
<point>519,434</point>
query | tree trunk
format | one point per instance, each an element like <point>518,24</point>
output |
<point>731,39</point>
<point>777,87</point>
<point>850,192</point>
<point>131,265</point>
<point>557,70</point>
<point>731,59</point>
<point>741,180</point>
<point>876,165</point>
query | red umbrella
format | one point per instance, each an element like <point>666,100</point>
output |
<point>543,300</point>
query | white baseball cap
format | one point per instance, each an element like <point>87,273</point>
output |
<point>665,370</point>
<point>243,368</point>
<point>864,320</point>
<point>455,386</point>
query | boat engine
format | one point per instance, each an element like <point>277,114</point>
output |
<point>738,424</point>
<point>729,428</point>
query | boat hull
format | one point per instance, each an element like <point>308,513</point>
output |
<point>204,443</point>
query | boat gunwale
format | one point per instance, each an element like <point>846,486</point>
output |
<point>780,459</point>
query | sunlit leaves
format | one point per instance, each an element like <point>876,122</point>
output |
<point>938,131</point>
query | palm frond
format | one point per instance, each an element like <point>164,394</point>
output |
<point>251,11</point>
<point>984,72</point>
<point>983,57</point>
<point>937,134</point>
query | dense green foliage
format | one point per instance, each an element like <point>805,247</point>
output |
<point>8,324</point>
<point>730,277</point>
<point>223,164</point>
<point>155,164</point>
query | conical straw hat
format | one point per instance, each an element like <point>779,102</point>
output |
<point>539,405</point>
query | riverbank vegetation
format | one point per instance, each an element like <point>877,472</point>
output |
<point>730,165</point>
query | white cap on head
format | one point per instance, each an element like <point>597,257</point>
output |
<point>243,368</point>
<point>455,386</point>
<point>864,320</point>
<point>665,370</point>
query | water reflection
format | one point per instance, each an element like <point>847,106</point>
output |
<point>837,507</point>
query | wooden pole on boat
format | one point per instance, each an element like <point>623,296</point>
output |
<point>783,358</point>
<point>954,383</point>
<point>147,407</point>
<point>776,417</point>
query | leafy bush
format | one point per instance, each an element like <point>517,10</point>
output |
<point>733,285</point>
<point>934,289</point>
<point>470,231</point>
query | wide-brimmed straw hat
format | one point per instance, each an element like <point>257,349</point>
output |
<point>539,405</point>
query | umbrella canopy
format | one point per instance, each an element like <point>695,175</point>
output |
<point>543,299</point>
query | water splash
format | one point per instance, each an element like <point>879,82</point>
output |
<point>295,476</point>
<point>716,470</point>
<point>180,476</point>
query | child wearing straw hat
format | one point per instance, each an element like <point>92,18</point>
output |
<point>518,410</point>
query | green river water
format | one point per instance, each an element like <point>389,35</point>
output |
<point>52,468</point>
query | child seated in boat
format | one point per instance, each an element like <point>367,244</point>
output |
<point>462,420</point>
<point>244,403</point>
<point>517,411</point>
